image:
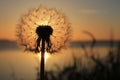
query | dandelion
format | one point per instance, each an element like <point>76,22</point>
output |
<point>41,30</point>
<point>28,36</point>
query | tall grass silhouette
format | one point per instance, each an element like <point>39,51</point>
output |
<point>107,69</point>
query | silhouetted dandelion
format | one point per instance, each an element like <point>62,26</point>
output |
<point>41,30</point>
<point>26,30</point>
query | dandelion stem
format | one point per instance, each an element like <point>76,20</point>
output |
<point>42,60</point>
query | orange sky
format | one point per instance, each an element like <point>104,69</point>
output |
<point>97,17</point>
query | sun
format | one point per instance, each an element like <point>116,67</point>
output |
<point>47,55</point>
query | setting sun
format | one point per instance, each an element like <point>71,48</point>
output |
<point>47,55</point>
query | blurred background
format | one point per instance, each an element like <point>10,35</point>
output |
<point>94,48</point>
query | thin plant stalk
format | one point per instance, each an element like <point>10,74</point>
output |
<point>42,60</point>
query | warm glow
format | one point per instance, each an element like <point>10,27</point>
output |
<point>41,16</point>
<point>47,55</point>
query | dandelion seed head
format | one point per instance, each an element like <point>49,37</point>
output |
<point>26,29</point>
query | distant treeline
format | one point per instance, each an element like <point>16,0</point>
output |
<point>6,44</point>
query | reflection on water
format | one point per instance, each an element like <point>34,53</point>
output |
<point>20,65</point>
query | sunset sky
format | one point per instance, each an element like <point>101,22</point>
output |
<point>95,16</point>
